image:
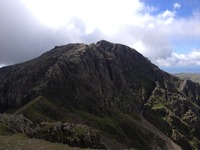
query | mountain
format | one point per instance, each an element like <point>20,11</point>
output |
<point>195,77</point>
<point>109,88</point>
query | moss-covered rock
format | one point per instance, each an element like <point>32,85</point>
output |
<point>11,124</point>
<point>75,135</point>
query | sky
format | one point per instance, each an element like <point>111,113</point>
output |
<point>165,31</point>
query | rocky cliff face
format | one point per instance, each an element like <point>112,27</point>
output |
<point>94,77</point>
<point>107,80</point>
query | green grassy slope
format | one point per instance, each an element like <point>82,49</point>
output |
<point>40,109</point>
<point>126,129</point>
<point>22,142</point>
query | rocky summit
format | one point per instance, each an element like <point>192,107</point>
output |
<point>99,96</point>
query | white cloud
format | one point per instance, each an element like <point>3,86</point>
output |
<point>175,59</point>
<point>166,14</point>
<point>177,6</point>
<point>130,22</point>
<point>1,65</point>
<point>105,15</point>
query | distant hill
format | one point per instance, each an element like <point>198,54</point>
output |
<point>101,95</point>
<point>191,76</point>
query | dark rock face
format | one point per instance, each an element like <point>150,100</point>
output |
<point>175,111</point>
<point>93,77</point>
<point>106,79</point>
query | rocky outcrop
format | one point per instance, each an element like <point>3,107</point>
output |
<point>175,111</point>
<point>15,124</point>
<point>71,134</point>
<point>75,135</point>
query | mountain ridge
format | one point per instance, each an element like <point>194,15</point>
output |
<point>106,86</point>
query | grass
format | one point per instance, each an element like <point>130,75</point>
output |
<point>157,119</point>
<point>81,129</point>
<point>158,102</point>
<point>158,105</point>
<point>139,137</point>
<point>4,130</point>
<point>121,128</point>
<point>106,125</point>
<point>40,109</point>
<point>125,129</point>
<point>22,142</point>
<point>157,112</point>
